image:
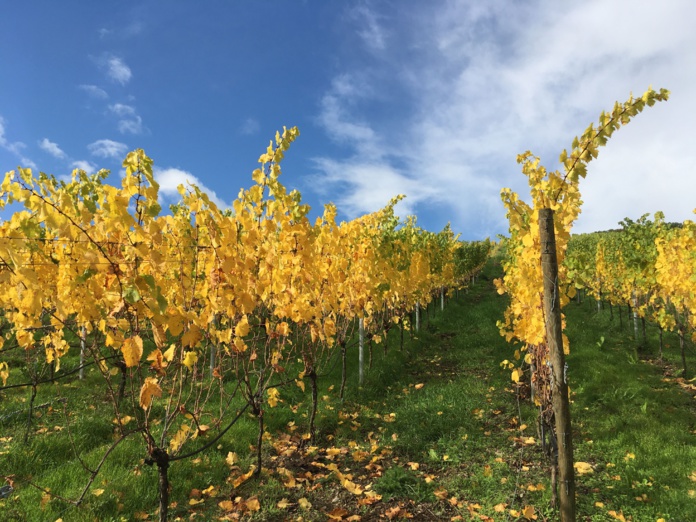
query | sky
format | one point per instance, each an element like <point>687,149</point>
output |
<point>433,99</point>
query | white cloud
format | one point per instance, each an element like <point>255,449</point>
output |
<point>250,126</point>
<point>338,119</point>
<point>94,91</point>
<point>14,147</point>
<point>486,81</point>
<point>108,149</point>
<point>51,148</point>
<point>370,30</point>
<point>169,180</point>
<point>130,122</point>
<point>87,166</point>
<point>116,69</point>
<point>359,188</point>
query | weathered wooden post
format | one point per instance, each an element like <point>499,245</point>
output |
<point>559,384</point>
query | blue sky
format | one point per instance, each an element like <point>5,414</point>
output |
<point>433,99</point>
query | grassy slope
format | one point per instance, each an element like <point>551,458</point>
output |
<point>459,445</point>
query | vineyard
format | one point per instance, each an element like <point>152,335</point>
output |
<point>250,363</point>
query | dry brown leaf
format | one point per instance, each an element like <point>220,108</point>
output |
<point>337,514</point>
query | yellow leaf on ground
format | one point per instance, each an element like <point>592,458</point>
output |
<point>583,468</point>
<point>528,513</point>
<point>352,487</point>
<point>304,503</point>
<point>253,504</point>
<point>283,504</point>
<point>226,505</point>
<point>337,514</point>
<point>232,458</point>
<point>97,492</point>
<point>441,494</point>
<point>243,478</point>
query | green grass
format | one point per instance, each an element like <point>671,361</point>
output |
<point>436,431</point>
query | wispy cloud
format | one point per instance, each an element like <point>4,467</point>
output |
<point>134,28</point>
<point>51,148</point>
<point>359,187</point>
<point>94,92</point>
<point>369,28</point>
<point>486,81</point>
<point>129,121</point>
<point>169,180</point>
<point>87,166</point>
<point>115,68</point>
<point>14,147</point>
<point>250,126</point>
<point>108,149</point>
<point>340,121</point>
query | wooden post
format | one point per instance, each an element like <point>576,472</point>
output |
<point>559,384</point>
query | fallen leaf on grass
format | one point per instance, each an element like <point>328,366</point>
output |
<point>226,505</point>
<point>304,503</point>
<point>583,468</point>
<point>232,458</point>
<point>337,514</point>
<point>441,494</point>
<point>528,513</point>
<point>97,492</point>
<point>253,504</point>
<point>283,504</point>
<point>243,478</point>
<point>352,487</point>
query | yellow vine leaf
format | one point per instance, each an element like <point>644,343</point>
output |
<point>4,372</point>
<point>190,359</point>
<point>242,328</point>
<point>132,349</point>
<point>149,390</point>
<point>273,397</point>
<point>192,337</point>
<point>169,354</point>
<point>179,438</point>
